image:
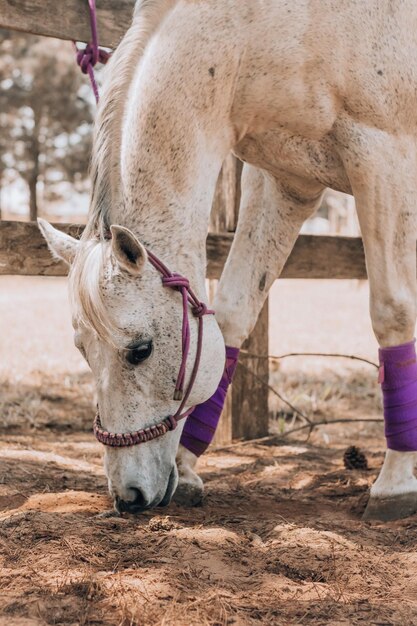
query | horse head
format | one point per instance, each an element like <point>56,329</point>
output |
<point>132,331</point>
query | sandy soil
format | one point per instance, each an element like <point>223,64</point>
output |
<point>279,537</point>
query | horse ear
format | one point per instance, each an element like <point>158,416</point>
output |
<point>128,251</point>
<point>61,245</point>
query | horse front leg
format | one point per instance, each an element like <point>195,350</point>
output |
<point>271,214</point>
<point>385,189</point>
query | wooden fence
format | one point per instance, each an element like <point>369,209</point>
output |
<point>68,20</point>
<point>24,252</point>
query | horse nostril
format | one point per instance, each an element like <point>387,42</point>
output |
<point>132,506</point>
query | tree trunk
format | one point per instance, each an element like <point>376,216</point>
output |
<point>33,200</point>
<point>1,189</point>
<point>33,181</point>
<point>34,173</point>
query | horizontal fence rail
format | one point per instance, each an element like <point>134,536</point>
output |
<point>23,251</point>
<point>69,19</point>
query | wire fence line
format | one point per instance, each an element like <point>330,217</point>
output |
<point>309,423</point>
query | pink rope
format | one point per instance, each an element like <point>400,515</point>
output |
<point>176,281</point>
<point>92,54</point>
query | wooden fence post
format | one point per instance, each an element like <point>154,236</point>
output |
<point>245,415</point>
<point>250,415</point>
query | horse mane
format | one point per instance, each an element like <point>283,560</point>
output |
<point>86,274</point>
<point>105,160</point>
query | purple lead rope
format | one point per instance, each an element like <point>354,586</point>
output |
<point>199,309</point>
<point>92,54</point>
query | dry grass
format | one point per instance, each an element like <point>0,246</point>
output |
<point>323,396</point>
<point>62,403</point>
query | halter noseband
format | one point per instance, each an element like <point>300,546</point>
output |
<point>199,309</point>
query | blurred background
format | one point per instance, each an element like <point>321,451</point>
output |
<point>46,110</point>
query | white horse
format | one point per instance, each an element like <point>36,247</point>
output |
<point>309,94</point>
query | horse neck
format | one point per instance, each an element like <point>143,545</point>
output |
<point>173,142</point>
<point>169,212</point>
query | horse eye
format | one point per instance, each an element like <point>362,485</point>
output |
<point>137,354</point>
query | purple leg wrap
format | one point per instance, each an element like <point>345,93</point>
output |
<point>398,377</point>
<point>201,424</point>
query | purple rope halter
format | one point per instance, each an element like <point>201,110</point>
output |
<point>198,309</point>
<point>92,54</point>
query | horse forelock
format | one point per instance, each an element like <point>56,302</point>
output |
<point>86,289</point>
<point>105,160</point>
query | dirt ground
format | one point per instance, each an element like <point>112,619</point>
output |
<point>278,539</point>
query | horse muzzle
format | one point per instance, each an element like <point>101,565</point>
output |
<point>140,502</point>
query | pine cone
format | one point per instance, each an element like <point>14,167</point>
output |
<point>354,458</point>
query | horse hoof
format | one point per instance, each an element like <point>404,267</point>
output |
<point>391,508</point>
<point>188,494</point>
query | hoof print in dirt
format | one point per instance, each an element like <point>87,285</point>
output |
<point>354,458</point>
<point>188,495</point>
<point>390,509</point>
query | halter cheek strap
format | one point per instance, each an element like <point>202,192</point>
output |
<point>199,310</point>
